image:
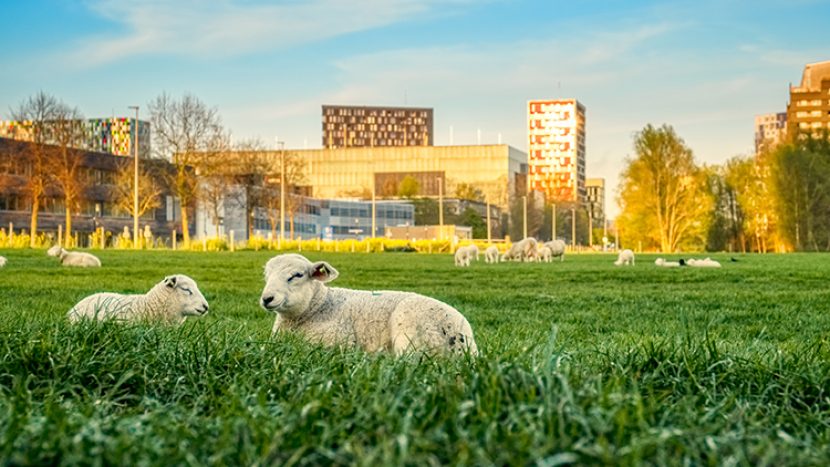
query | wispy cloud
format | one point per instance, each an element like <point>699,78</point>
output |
<point>225,27</point>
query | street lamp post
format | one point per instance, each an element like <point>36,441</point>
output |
<point>281,146</point>
<point>524,216</point>
<point>135,181</point>
<point>440,208</point>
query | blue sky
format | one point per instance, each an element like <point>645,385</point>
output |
<point>705,67</point>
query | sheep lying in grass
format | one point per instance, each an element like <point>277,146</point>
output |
<point>491,254</point>
<point>55,251</point>
<point>2,261</point>
<point>523,250</point>
<point>76,258</point>
<point>702,263</point>
<point>557,249</point>
<point>465,254</point>
<point>375,321</point>
<point>171,300</point>
<point>625,258</point>
<point>668,264</point>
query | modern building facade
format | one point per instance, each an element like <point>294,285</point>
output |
<point>595,198</point>
<point>359,126</point>
<point>114,135</point>
<point>422,171</point>
<point>770,131</point>
<point>809,108</point>
<point>556,148</point>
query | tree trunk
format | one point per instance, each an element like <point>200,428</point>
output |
<point>185,230</point>
<point>33,225</point>
<point>68,223</point>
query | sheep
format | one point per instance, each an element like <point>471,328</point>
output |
<point>55,251</point>
<point>625,258</point>
<point>2,261</point>
<point>703,263</point>
<point>172,300</point>
<point>78,259</point>
<point>523,250</point>
<point>557,248</point>
<point>544,254</point>
<point>464,255</point>
<point>491,254</point>
<point>668,264</point>
<point>397,322</point>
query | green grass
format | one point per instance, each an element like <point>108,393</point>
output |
<point>581,362</point>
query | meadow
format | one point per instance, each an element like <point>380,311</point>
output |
<point>581,363</point>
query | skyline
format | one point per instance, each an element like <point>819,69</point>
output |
<point>706,68</point>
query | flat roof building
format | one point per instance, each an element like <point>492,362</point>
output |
<point>809,108</point>
<point>556,148</point>
<point>114,135</point>
<point>595,196</point>
<point>770,131</point>
<point>361,126</point>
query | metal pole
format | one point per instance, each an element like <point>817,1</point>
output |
<point>573,228</point>
<point>524,216</point>
<point>590,228</point>
<point>281,146</point>
<point>488,221</point>
<point>135,181</point>
<point>372,161</point>
<point>553,221</point>
<point>440,208</point>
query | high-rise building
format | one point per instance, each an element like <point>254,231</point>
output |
<point>595,188</point>
<point>809,107</point>
<point>109,135</point>
<point>770,130</point>
<point>556,148</point>
<point>358,126</point>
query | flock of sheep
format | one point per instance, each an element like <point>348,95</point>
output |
<point>296,291</point>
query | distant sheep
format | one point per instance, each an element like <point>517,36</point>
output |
<point>398,322</point>
<point>625,258</point>
<point>523,250</point>
<point>557,249</point>
<point>2,261</point>
<point>55,251</point>
<point>171,300</point>
<point>491,254</point>
<point>703,263</point>
<point>465,254</point>
<point>668,264</point>
<point>544,254</point>
<point>77,258</point>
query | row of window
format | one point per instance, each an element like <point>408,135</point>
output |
<point>380,212</point>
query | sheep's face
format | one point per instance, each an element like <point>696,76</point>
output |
<point>185,297</point>
<point>54,251</point>
<point>291,282</point>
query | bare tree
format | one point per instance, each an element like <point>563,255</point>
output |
<point>39,110</point>
<point>149,188</point>
<point>182,129</point>
<point>67,131</point>
<point>252,167</point>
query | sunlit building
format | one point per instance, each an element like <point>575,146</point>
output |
<point>809,107</point>
<point>770,130</point>
<point>595,197</point>
<point>360,126</point>
<point>556,148</point>
<point>114,135</point>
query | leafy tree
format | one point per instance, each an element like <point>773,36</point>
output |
<point>467,191</point>
<point>663,194</point>
<point>471,218</point>
<point>409,187</point>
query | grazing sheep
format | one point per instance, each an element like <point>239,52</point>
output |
<point>375,321</point>
<point>78,259</point>
<point>491,254</point>
<point>464,255</point>
<point>544,254</point>
<point>2,261</point>
<point>473,250</point>
<point>703,263</point>
<point>523,250</point>
<point>668,264</point>
<point>625,258</point>
<point>557,248</point>
<point>171,300</point>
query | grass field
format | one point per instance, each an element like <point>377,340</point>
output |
<point>581,363</point>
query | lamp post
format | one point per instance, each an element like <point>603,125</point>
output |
<point>281,146</point>
<point>135,181</point>
<point>524,216</point>
<point>440,208</point>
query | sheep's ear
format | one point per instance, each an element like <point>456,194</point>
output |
<point>170,281</point>
<point>322,271</point>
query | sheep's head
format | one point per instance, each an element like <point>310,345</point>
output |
<point>659,262</point>
<point>184,297</point>
<point>292,281</point>
<point>54,251</point>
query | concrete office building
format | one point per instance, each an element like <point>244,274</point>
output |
<point>809,108</point>
<point>360,126</point>
<point>556,148</point>
<point>770,131</point>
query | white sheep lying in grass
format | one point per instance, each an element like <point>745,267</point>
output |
<point>667,264</point>
<point>491,254</point>
<point>465,254</point>
<point>2,261</point>
<point>523,250</point>
<point>703,263</point>
<point>625,258</point>
<point>171,300</point>
<point>557,249</point>
<point>76,258</point>
<point>375,321</point>
<point>54,250</point>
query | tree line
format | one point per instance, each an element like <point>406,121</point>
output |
<point>201,162</point>
<point>775,201</point>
